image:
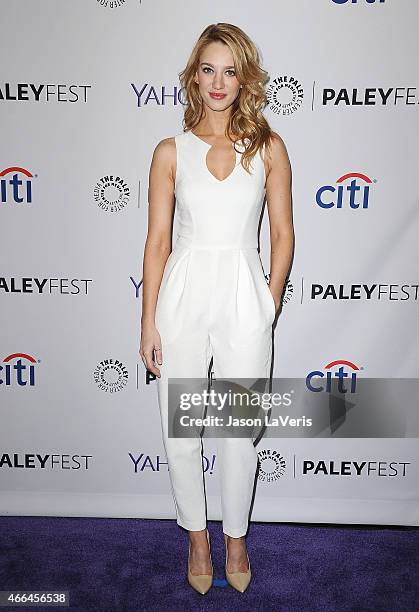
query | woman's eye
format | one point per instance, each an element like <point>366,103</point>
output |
<point>207,69</point>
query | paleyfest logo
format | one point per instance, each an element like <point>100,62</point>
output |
<point>16,185</point>
<point>394,292</point>
<point>352,190</point>
<point>63,93</point>
<point>18,369</point>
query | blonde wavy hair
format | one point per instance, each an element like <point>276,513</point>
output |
<point>246,119</point>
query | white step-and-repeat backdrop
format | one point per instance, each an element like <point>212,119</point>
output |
<point>87,90</point>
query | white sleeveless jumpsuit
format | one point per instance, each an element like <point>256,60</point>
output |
<point>214,301</point>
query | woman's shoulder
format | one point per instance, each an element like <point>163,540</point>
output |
<point>170,140</point>
<point>167,145</point>
<point>276,153</point>
<point>277,148</point>
<point>165,152</point>
<point>276,140</point>
<point>165,149</point>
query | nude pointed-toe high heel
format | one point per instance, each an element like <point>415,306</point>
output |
<point>238,580</point>
<point>201,582</point>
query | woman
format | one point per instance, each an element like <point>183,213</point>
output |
<point>209,298</point>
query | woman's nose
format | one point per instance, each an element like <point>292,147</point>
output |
<point>218,82</point>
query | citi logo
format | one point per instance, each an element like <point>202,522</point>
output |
<point>337,369</point>
<point>16,185</point>
<point>18,369</point>
<point>352,190</point>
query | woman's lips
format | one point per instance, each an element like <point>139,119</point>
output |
<point>217,96</point>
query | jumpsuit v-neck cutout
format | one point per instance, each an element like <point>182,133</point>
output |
<point>208,147</point>
<point>214,307</point>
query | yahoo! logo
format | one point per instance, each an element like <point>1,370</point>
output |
<point>144,463</point>
<point>149,94</point>
<point>15,189</point>
<point>330,196</point>
<point>332,372</point>
<point>18,372</point>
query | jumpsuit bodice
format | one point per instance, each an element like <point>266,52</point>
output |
<point>212,212</point>
<point>213,279</point>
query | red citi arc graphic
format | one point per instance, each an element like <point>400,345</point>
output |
<point>332,364</point>
<point>14,370</point>
<point>15,188</point>
<point>16,169</point>
<point>344,177</point>
<point>334,370</point>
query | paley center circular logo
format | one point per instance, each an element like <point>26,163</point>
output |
<point>288,291</point>
<point>111,375</point>
<point>111,193</point>
<point>285,95</point>
<point>272,465</point>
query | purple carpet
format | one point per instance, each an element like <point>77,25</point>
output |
<point>140,564</point>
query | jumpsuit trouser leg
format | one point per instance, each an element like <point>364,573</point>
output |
<point>184,454</point>
<point>237,457</point>
<point>239,338</point>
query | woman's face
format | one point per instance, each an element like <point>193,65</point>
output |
<point>216,76</point>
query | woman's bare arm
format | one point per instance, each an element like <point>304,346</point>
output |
<point>158,245</point>
<point>279,201</point>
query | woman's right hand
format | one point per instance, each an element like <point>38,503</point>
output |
<point>150,348</point>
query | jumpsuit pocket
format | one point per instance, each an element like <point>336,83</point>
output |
<point>271,301</point>
<point>269,297</point>
<point>170,307</point>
